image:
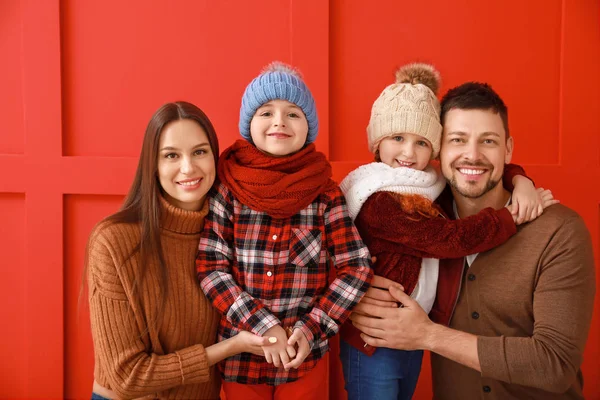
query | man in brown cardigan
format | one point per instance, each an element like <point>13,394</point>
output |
<point>518,316</point>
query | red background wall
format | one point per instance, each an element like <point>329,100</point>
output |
<point>80,79</point>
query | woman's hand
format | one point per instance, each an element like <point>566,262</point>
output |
<point>250,343</point>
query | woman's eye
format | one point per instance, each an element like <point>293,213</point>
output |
<point>170,155</point>
<point>200,152</point>
<point>265,114</point>
<point>398,138</point>
<point>422,143</point>
<point>293,115</point>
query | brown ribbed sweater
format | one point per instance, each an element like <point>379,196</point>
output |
<point>133,359</point>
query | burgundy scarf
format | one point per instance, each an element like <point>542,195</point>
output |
<point>278,186</point>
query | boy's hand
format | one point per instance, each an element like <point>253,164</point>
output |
<point>299,339</point>
<point>280,352</point>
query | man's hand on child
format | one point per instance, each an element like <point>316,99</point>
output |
<point>300,340</point>
<point>378,293</point>
<point>280,352</point>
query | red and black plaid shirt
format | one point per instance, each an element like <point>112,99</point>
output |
<point>259,272</point>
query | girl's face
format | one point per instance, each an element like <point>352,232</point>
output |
<point>279,128</point>
<point>405,150</point>
<point>186,166</point>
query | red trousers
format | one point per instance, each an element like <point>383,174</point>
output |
<point>313,385</point>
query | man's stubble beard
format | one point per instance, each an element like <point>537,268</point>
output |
<point>490,185</point>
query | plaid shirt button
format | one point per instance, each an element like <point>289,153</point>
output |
<point>269,273</point>
<point>274,237</point>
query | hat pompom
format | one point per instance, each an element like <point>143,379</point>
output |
<point>278,66</point>
<point>416,73</point>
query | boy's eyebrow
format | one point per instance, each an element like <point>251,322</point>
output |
<point>203,144</point>
<point>270,103</point>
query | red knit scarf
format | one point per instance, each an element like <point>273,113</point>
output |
<point>278,186</point>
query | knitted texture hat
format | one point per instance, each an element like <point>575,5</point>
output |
<point>283,82</point>
<point>408,106</point>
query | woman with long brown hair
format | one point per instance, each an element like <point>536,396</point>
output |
<point>153,329</point>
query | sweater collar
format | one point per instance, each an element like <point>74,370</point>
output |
<point>178,220</point>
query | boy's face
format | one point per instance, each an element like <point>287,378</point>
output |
<point>279,128</point>
<point>405,150</point>
<point>474,151</point>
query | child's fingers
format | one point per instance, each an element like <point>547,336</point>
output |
<point>294,337</point>
<point>268,357</point>
<point>276,359</point>
<point>283,355</point>
<point>550,202</point>
<point>291,351</point>
<point>533,215</point>
<point>522,215</point>
<point>296,362</point>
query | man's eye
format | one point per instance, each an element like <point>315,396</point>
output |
<point>265,114</point>
<point>293,115</point>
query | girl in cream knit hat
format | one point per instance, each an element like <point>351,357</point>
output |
<point>392,203</point>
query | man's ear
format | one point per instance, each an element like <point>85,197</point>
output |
<point>509,150</point>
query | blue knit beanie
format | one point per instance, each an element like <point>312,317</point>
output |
<point>278,81</point>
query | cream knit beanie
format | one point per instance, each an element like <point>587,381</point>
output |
<point>408,106</point>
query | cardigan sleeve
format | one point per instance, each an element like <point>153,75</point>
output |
<point>563,300</point>
<point>131,370</point>
<point>353,273</point>
<point>382,222</point>
<point>213,266</point>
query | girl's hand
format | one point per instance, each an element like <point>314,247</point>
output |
<point>280,352</point>
<point>299,339</point>
<point>528,203</point>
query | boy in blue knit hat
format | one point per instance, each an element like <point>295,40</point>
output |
<point>277,223</point>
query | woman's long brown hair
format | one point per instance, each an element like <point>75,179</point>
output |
<point>142,203</point>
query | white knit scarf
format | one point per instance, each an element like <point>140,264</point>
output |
<point>380,177</point>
